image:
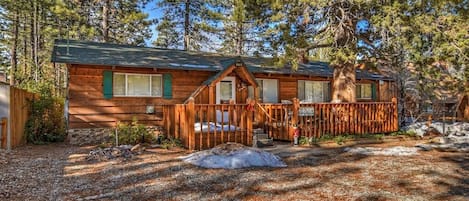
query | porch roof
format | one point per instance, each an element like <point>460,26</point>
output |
<point>95,53</point>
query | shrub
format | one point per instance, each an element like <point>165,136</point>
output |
<point>46,122</point>
<point>132,133</point>
<point>303,140</point>
<point>170,142</point>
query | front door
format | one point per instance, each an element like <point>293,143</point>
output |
<point>226,90</point>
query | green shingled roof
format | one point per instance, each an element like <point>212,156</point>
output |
<point>95,53</point>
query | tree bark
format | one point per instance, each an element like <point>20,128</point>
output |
<point>14,59</point>
<point>343,85</point>
<point>187,24</point>
<point>105,22</point>
<point>239,38</point>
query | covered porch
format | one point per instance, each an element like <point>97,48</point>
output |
<point>223,110</point>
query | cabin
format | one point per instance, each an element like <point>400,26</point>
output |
<point>177,92</point>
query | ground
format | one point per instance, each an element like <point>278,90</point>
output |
<point>61,172</point>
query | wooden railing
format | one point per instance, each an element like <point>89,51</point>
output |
<point>203,126</point>
<point>317,119</point>
<point>274,119</point>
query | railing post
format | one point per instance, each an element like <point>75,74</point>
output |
<point>249,116</point>
<point>294,118</point>
<point>395,117</point>
<point>190,118</point>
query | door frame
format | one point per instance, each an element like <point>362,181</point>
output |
<point>233,88</point>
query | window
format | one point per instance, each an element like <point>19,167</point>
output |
<point>268,90</point>
<point>313,91</point>
<point>226,93</point>
<point>364,91</point>
<point>125,84</point>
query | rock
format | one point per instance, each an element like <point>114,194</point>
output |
<point>122,151</point>
<point>137,149</point>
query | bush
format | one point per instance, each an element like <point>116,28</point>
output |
<point>132,133</point>
<point>303,140</point>
<point>170,142</point>
<point>46,122</point>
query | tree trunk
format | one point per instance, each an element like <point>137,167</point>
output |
<point>187,24</point>
<point>343,85</point>
<point>239,38</point>
<point>14,59</point>
<point>105,23</point>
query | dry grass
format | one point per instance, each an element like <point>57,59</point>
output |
<point>60,172</point>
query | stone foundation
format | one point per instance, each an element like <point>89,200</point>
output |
<point>84,136</point>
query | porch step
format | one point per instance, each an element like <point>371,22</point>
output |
<point>263,142</point>
<point>261,139</point>
<point>261,136</point>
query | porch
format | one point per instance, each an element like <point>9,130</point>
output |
<point>203,126</point>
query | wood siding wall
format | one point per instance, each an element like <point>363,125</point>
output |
<point>88,108</point>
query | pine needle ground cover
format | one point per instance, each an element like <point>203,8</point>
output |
<point>61,172</point>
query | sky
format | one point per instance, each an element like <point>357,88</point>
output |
<point>154,13</point>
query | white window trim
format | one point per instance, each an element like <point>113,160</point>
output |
<point>323,81</point>
<point>371,88</point>
<point>233,88</point>
<point>263,90</point>
<point>139,74</point>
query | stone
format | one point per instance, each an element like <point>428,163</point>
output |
<point>137,149</point>
<point>88,136</point>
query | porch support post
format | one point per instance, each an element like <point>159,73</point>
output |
<point>190,112</point>
<point>294,118</point>
<point>211,94</point>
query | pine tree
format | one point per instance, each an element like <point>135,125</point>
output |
<point>195,20</point>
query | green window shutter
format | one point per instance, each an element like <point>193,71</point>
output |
<point>107,84</point>
<point>373,91</point>
<point>167,86</point>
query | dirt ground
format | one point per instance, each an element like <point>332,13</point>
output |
<point>60,172</point>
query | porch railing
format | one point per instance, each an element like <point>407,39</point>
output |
<point>318,119</point>
<point>203,126</point>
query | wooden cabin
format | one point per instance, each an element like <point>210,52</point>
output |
<point>111,82</point>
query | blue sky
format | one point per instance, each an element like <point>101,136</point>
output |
<point>154,13</point>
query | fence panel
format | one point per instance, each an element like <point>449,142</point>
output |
<point>318,119</point>
<point>203,126</point>
<point>19,113</point>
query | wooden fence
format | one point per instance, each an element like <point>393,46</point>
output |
<point>18,112</point>
<point>203,126</point>
<point>3,132</point>
<point>317,119</point>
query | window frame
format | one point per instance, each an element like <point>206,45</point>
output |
<point>361,86</point>
<point>325,98</point>
<point>138,74</point>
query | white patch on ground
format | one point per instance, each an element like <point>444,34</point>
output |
<point>454,139</point>
<point>233,156</point>
<point>392,151</point>
<point>451,129</point>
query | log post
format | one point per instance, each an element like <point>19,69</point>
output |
<point>249,116</point>
<point>395,120</point>
<point>190,119</point>
<point>294,118</point>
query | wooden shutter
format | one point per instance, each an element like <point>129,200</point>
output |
<point>373,91</point>
<point>107,84</point>
<point>167,86</point>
